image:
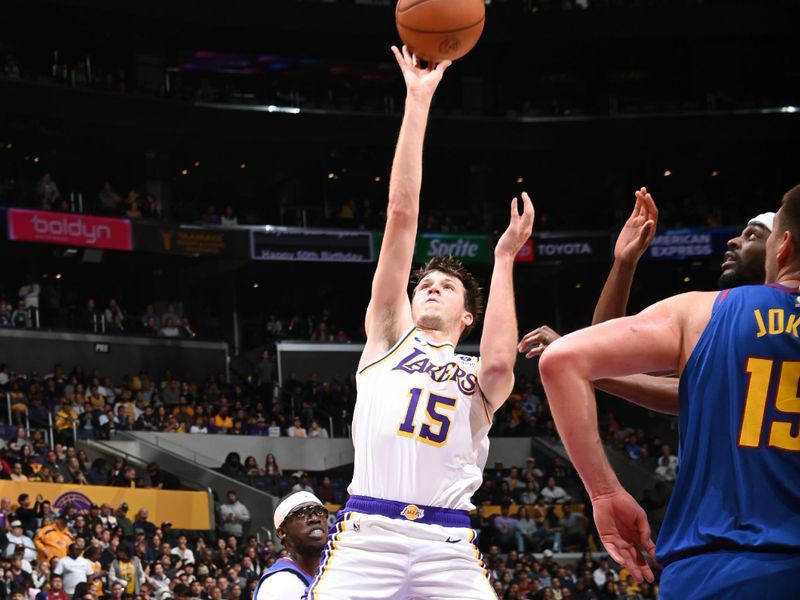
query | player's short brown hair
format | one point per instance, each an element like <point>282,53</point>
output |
<point>790,215</point>
<point>473,294</point>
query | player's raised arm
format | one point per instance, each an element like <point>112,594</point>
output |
<point>389,310</point>
<point>633,240</point>
<point>658,339</point>
<point>499,339</point>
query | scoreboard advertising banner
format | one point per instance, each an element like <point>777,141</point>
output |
<point>69,229</point>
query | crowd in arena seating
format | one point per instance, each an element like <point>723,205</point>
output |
<point>540,504</point>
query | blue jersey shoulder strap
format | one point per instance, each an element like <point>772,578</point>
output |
<point>284,565</point>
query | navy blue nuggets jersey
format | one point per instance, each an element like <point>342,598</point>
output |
<point>738,484</point>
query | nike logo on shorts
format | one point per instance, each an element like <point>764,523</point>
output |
<point>449,541</point>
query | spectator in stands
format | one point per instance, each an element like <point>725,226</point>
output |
<point>53,540</point>
<point>170,313</point>
<point>271,466</point>
<point>554,494</point>
<point>114,317</point>
<point>603,574</point>
<point>300,522</point>
<point>233,515</point>
<point>74,569</point>
<point>161,479</point>
<point>5,314</point>
<point>91,318</point>
<point>109,201</point>
<point>182,551</point>
<point>251,467</point>
<point>150,319</point>
<point>134,212</point>
<point>265,372</point>
<point>315,431</point>
<point>297,429</point>
<point>223,420</point>
<point>28,514</point>
<point>232,467</point>
<point>29,292</point>
<point>229,218</point>
<point>48,193</point>
<point>123,521</point>
<point>199,425</point>
<point>303,483</point>
<point>20,317</point>
<point>17,538</point>
<point>17,474</point>
<point>667,464</point>
<point>169,328</point>
<point>574,529</point>
<point>56,591</point>
<point>141,522</point>
<point>505,528</point>
<point>151,209</point>
<point>126,571</point>
<point>325,491</point>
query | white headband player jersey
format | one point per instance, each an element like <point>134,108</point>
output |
<point>420,426</point>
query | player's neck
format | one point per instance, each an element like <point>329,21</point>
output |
<point>438,336</point>
<point>308,562</point>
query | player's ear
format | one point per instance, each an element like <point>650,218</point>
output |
<point>281,533</point>
<point>468,319</point>
<point>787,248</point>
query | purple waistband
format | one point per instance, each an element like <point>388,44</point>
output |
<point>429,515</point>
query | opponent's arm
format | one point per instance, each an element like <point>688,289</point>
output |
<point>659,338</point>
<point>633,240</point>
<point>499,339</point>
<point>389,311</point>
<point>655,393</point>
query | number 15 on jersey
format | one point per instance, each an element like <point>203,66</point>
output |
<point>434,430</point>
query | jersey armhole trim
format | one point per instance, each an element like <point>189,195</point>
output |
<point>390,352</point>
<point>485,405</point>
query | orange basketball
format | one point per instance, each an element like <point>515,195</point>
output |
<point>440,29</point>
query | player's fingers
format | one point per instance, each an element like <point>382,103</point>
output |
<point>645,232</point>
<point>442,66</point>
<point>538,351</point>
<point>614,552</point>
<point>532,337</point>
<point>398,56</point>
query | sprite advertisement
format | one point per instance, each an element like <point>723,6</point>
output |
<point>468,248</point>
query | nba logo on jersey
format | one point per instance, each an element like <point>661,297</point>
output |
<point>412,512</point>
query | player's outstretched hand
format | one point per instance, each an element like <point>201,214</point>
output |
<point>419,81</point>
<point>638,231</point>
<point>534,342</point>
<point>625,532</point>
<point>519,228</point>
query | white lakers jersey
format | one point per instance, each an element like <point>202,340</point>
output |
<point>420,426</point>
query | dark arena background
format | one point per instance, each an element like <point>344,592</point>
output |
<point>192,199</point>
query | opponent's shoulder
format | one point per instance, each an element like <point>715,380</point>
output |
<point>280,585</point>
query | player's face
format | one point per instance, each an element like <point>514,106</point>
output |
<point>306,527</point>
<point>438,302</point>
<point>743,263</point>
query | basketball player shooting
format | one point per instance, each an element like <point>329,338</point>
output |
<point>423,412</point>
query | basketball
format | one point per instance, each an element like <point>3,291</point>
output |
<point>437,30</point>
